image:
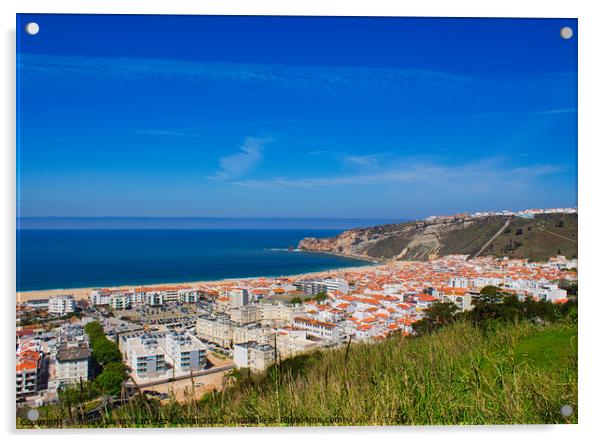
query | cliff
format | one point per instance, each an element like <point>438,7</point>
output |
<point>537,239</point>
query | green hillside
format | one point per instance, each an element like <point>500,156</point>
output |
<point>460,374</point>
<point>504,362</point>
<point>539,238</point>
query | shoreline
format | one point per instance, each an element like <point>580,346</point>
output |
<point>376,261</point>
<point>82,292</point>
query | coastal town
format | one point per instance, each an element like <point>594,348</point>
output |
<point>170,335</point>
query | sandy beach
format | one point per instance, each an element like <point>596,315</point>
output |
<point>82,293</point>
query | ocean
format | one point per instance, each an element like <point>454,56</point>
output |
<point>53,259</point>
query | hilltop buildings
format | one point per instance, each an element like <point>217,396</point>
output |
<point>526,213</point>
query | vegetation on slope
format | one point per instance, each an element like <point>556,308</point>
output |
<point>494,369</point>
<point>506,362</point>
<point>544,236</point>
<point>107,360</point>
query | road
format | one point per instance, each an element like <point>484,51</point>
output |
<point>180,377</point>
<point>496,235</point>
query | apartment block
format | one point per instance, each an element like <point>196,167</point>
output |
<point>186,352</point>
<point>38,303</point>
<point>253,355</point>
<point>122,300</point>
<point>145,356</point>
<point>154,354</point>
<point>318,328</point>
<point>221,330</point>
<point>238,297</point>
<point>265,312</point>
<point>73,363</point>
<point>311,287</point>
<point>28,372</point>
<point>100,297</point>
<point>61,304</point>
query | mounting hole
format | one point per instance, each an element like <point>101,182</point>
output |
<point>33,414</point>
<point>32,28</point>
<point>566,32</point>
<point>566,410</point>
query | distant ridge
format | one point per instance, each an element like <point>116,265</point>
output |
<point>536,238</point>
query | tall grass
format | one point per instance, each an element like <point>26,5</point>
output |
<point>460,374</point>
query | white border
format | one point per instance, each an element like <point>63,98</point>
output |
<point>590,144</point>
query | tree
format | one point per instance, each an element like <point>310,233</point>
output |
<point>296,300</point>
<point>439,314</point>
<point>571,287</point>
<point>491,294</point>
<point>320,297</point>
<point>110,380</point>
<point>94,331</point>
<point>105,351</point>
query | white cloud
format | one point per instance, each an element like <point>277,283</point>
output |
<point>249,155</point>
<point>485,173</point>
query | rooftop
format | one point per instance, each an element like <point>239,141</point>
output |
<point>73,351</point>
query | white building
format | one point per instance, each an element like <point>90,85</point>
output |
<point>186,352</point>
<point>550,292</point>
<point>150,353</point>
<point>122,300</point>
<point>145,356</point>
<point>61,304</point>
<point>253,355</point>
<point>238,297</point>
<point>337,285</point>
<point>155,298</point>
<point>459,282</point>
<point>73,363</point>
<point>189,295</point>
<point>318,328</point>
<point>28,372</point>
<point>100,297</point>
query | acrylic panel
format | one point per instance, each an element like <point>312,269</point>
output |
<point>300,221</point>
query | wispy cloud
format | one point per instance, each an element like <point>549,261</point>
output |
<point>554,111</point>
<point>482,173</point>
<point>326,78</point>
<point>409,82</point>
<point>250,153</point>
<point>353,160</point>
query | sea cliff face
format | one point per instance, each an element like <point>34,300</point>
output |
<point>426,239</point>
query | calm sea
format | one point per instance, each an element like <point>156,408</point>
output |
<point>50,259</point>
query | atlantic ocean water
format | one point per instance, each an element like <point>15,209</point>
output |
<point>53,259</point>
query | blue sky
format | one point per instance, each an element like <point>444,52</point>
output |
<point>294,117</point>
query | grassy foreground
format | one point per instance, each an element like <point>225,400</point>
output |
<point>461,374</point>
<point>504,373</point>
